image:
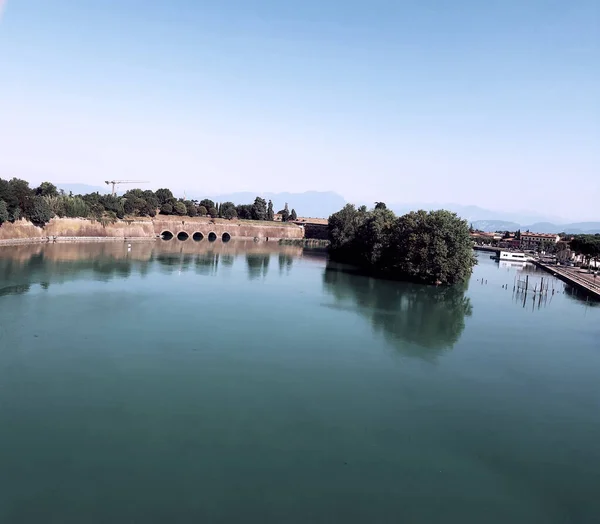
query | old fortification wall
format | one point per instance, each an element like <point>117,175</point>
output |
<point>235,228</point>
<point>78,228</point>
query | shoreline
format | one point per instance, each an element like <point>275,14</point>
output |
<point>71,240</point>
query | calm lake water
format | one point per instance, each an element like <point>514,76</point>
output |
<point>186,383</point>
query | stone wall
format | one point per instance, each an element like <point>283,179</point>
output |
<point>236,228</point>
<point>75,228</point>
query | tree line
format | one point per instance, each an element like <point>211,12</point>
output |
<point>588,246</point>
<point>428,247</point>
<point>40,204</point>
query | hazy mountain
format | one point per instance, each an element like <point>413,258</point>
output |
<point>574,228</point>
<point>473,213</point>
<point>538,227</point>
<point>489,226</point>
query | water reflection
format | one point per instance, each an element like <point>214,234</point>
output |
<point>44,264</point>
<point>408,315</point>
<point>285,263</point>
<point>258,265</point>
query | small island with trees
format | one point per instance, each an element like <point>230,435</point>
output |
<point>430,247</point>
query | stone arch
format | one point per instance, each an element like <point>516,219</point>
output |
<point>226,237</point>
<point>212,236</point>
<point>166,235</point>
<point>197,236</point>
<point>183,236</point>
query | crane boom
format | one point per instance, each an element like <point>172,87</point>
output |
<point>116,182</point>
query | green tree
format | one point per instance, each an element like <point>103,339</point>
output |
<point>244,211</point>
<point>46,189</point>
<point>77,207</point>
<point>3,212</point>
<point>285,213</point>
<point>207,203</point>
<point>293,215</point>
<point>191,209</point>
<point>56,204</point>
<point>166,209</point>
<point>163,196</point>
<point>228,210</point>
<point>213,212</point>
<point>270,213</point>
<point>429,247</point>
<point>380,205</point>
<point>588,246</point>
<point>259,209</point>
<point>38,211</point>
<point>22,192</point>
<point>179,209</point>
<point>202,211</point>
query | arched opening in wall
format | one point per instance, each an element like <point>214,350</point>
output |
<point>197,237</point>
<point>212,236</point>
<point>166,235</point>
<point>182,236</point>
<point>226,237</point>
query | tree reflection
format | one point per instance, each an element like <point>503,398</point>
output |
<point>207,263</point>
<point>285,262</point>
<point>258,264</point>
<point>430,317</point>
<point>20,289</point>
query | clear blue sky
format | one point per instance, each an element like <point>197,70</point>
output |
<point>494,102</point>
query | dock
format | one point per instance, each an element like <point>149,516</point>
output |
<point>575,277</point>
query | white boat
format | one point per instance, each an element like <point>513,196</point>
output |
<point>513,256</point>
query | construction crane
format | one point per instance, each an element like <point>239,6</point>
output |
<point>115,182</point>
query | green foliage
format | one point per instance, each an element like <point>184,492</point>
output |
<point>228,210</point>
<point>179,209</point>
<point>588,246</point>
<point>422,246</point>
<point>3,212</point>
<point>46,189</point>
<point>75,207</point>
<point>21,191</point>
<point>270,213</point>
<point>38,211</point>
<point>56,205</point>
<point>259,209</point>
<point>207,203</point>
<point>244,211</point>
<point>22,201</point>
<point>380,205</point>
<point>191,209</point>
<point>163,196</point>
<point>293,215</point>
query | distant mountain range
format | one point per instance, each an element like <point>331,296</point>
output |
<point>321,204</point>
<point>575,228</point>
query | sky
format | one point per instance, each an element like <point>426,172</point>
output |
<point>493,103</point>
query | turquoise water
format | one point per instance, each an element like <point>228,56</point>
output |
<point>191,382</point>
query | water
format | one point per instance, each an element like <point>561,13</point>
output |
<point>244,383</point>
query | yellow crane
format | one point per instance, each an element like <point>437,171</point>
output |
<point>116,182</point>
